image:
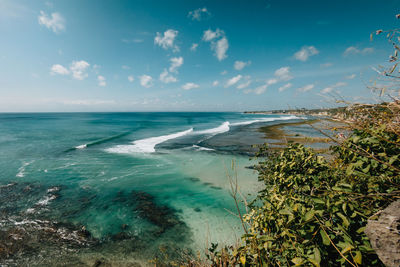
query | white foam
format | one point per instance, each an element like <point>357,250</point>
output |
<point>146,145</point>
<point>81,146</point>
<point>265,120</point>
<point>203,148</point>
<point>21,170</point>
<point>46,200</point>
<point>224,127</point>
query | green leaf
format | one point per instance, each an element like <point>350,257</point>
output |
<point>325,238</point>
<point>309,215</point>
<point>297,261</point>
<point>316,259</point>
<point>346,222</point>
<point>346,248</point>
<point>358,257</point>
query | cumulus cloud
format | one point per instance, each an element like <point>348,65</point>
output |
<point>220,47</point>
<point>215,83</point>
<point>167,39</point>
<point>176,62</point>
<point>78,69</point>
<point>165,77</point>
<point>199,14</point>
<point>351,76</point>
<point>284,87</point>
<point>283,74</point>
<point>305,52</point>
<point>332,87</point>
<point>54,22</point>
<point>194,47</point>
<point>261,89</point>
<point>131,78</point>
<point>210,35</point>
<point>352,50</point>
<point>59,69</point>
<point>244,85</point>
<point>305,88</point>
<point>189,86</point>
<point>146,81</point>
<point>233,81</point>
<point>239,65</point>
<point>101,80</point>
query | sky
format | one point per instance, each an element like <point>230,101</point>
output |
<point>179,55</point>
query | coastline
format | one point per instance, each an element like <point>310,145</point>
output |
<point>305,132</point>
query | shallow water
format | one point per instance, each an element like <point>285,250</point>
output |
<point>118,186</point>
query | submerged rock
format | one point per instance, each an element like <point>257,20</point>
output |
<point>162,216</point>
<point>384,235</point>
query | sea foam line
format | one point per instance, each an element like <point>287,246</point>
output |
<point>265,120</point>
<point>224,127</point>
<point>147,145</point>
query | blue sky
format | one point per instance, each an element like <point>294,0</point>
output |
<point>73,55</point>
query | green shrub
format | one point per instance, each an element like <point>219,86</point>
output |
<point>313,212</point>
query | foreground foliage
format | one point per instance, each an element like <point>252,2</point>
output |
<point>313,212</point>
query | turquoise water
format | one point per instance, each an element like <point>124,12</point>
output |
<point>121,186</point>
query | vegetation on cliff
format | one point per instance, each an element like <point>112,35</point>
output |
<point>313,211</point>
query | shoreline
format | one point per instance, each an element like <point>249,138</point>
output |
<point>282,134</point>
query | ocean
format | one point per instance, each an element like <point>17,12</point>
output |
<point>122,188</point>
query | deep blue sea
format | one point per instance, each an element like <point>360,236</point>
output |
<point>122,188</point>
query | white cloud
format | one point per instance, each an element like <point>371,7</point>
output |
<point>284,87</point>
<point>224,72</point>
<point>194,47</point>
<point>167,39</point>
<point>272,81</point>
<point>78,69</point>
<point>244,85</point>
<point>55,21</point>
<point>305,52</point>
<point>352,50</point>
<point>101,80</point>
<point>367,50</point>
<point>131,78</point>
<point>350,77</point>
<point>59,69</point>
<point>146,81</point>
<point>165,77</point>
<point>189,86</point>
<point>283,74</point>
<point>209,35</point>
<point>220,48</point>
<point>261,89</point>
<point>233,80</point>
<point>199,14</point>
<point>305,88</point>
<point>215,83</point>
<point>332,87</point>
<point>239,65</point>
<point>176,62</point>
